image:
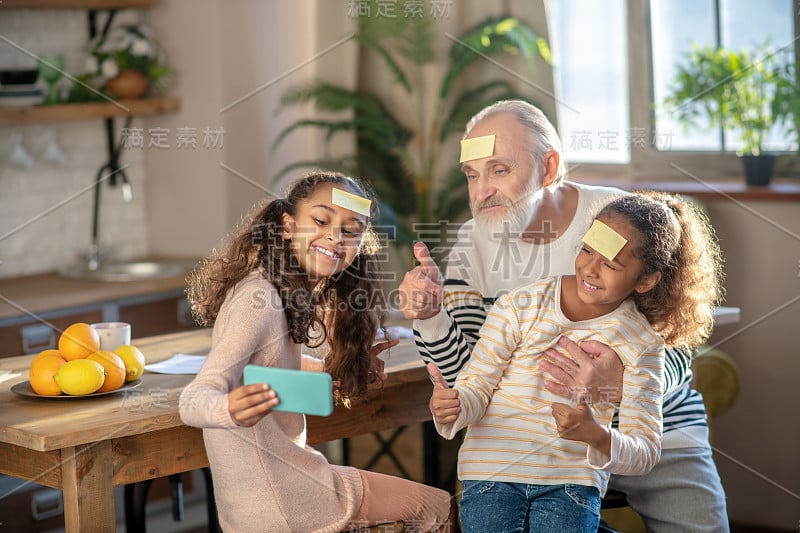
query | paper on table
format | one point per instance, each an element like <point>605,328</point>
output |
<point>5,375</point>
<point>178,364</point>
<point>396,332</point>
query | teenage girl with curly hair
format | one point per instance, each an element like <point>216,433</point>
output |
<point>532,463</point>
<point>287,279</point>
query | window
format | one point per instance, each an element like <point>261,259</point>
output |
<point>733,24</point>
<point>613,59</point>
<point>590,67</point>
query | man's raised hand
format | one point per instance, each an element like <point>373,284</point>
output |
<point>421,290</point>
<point>445,405</point>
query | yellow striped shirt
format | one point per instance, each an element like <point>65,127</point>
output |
<point>512,435</point>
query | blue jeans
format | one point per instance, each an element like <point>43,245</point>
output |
<point>499,506</point>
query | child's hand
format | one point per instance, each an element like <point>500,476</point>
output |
<point>250,403</point>
<point>577,423</point>
<point>445,405</point>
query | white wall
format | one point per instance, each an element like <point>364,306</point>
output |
<point>234,61</point>
<point>759,436</point>
<point>45,210</point>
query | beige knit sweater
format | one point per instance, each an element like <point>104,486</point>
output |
<point>265,477</point>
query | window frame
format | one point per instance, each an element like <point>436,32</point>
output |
<point>646,162</point>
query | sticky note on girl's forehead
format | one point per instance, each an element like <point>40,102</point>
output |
<point>476,148</point>
<point>605,240</point>
<point>350,201</point>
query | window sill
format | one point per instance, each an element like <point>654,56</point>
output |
<point>778,191</point>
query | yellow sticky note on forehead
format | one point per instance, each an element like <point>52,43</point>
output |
<point>605,240</point>
<point>476,148</point>
<point>350,201</point>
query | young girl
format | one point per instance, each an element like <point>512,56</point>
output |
<point>647,274</point>
<point>284,281</point>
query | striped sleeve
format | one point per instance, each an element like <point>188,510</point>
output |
<point>476,384</point>
<point>447,339</point>
<point>636,445</point>
<point>677,368</point>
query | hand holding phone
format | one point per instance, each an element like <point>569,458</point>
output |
<point>298,391</point>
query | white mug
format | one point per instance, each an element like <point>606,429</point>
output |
<point>113,334</point>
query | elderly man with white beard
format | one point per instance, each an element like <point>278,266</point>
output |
<point>527,224</point>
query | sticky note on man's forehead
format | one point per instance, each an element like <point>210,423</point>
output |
<point>476,148</point>
<point>350,201</point>
<point>605,240</point>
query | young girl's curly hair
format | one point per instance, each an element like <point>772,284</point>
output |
<point>345,310</point>
<point>676,239</point>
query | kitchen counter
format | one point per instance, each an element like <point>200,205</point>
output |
<point>35,309</point>
<point>47,292</point>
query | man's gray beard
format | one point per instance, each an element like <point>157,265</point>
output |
<point>513,225</point>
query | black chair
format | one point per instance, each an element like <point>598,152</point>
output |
<point>136,501</point>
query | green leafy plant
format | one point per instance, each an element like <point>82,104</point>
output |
<point>400,157</point>
<point>747,91</point>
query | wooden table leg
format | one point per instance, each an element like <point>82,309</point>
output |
<point>88,482</point>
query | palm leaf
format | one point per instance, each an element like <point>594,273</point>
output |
<point>388,175</point>
<point>389,60</point>
<point>331,127</point>
<point>390,224</point>
<point>326,97</point>
<point>452,202</point>
<point>470,102</point>
<point>506,35</point>
<point>409,36</point>
<point>346,165</point>
<point>416,42</point>
<point>371,118</point>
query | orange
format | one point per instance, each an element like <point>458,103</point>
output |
<point>114,367</point>
<point>43,367</point>
<point>78,341</point>
<point>133,359</point>
<point>47,353</point>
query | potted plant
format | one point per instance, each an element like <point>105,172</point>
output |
<point>749,92</point>
<point>399,160</point>
<point>126,62</point>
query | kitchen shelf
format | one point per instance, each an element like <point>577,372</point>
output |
<point>76,4</point>
<point>86,111</point>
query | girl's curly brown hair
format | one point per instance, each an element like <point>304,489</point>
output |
<point>345,309</point>
<point>677,240</point>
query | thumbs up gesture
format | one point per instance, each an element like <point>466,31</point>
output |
<point>445,405</point>
<point>421,290</point>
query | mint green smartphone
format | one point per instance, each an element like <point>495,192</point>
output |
<point>299,391</point>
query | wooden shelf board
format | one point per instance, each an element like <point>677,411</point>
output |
<point>76,4</point>
<point>86,111</point>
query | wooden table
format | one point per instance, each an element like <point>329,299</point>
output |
<point>87,446</point>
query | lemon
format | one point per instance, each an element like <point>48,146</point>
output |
<point>133,359</point>
<point>80,377</point>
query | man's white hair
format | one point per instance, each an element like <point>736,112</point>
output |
<point>543,135</point>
